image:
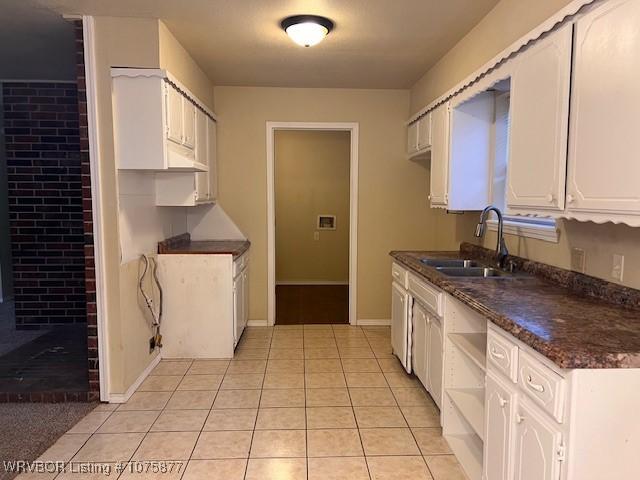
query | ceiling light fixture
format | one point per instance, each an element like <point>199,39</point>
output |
<point>307,30</point>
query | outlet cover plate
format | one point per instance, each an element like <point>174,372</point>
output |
<point>577,260</point>
<point>617,267</point>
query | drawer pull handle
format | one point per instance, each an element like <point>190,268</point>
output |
<point>502,401</point>
<point>519,418</point>
<point>537,387</point>
<point>497,354</point>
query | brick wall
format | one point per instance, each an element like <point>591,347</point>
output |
<point>87,212</point>
<point>45,202</point>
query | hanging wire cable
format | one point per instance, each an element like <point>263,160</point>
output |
<point>156,313</point>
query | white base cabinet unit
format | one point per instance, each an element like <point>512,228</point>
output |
<point>400,324</point>
<point>547,423</point>
<point>156,122</point>
<point>417,329</point>
<point>205,304</point>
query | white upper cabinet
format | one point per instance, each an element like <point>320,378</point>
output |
<point>154,122</point>
<point>412,138</point>
<point>424,132</point>
<point>603,167</point>
<point>419,135</point>
<point>188,189</point>
<point>439,156</point>
<point>539,117</point>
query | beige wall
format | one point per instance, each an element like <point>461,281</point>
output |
<point>504,24</point>
<point>392,213</point>
<point>128,42</point>
<point>508,21</point>
<point>311,179</point>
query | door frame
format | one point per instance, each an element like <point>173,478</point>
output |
<point>353,129</point>
<point>91,76</point>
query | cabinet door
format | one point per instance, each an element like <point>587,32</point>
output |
<point>499,421</point>
<point>539,122</point>
<point>424,132</point>
<point>435,359</point>
<point>603,166</point>
<point>399,324</point>
<point>212,161</point>
<point>439,155</point>
<point>238,306</point>
<point>188,123</point>
<point>419,345</point>
<point>412,138</point>
<point>173,106</point>
<point>537,445</point>
<point>245,297</point>
<point>202,178</point>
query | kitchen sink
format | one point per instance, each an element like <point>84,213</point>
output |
<point>449,263</point>
<point>478,272</point>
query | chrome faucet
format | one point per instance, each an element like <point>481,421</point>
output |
<point>501,247</point>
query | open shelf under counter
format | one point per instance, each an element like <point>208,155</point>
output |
<point>470,403</point>
<point>474,345</point>
<point>468,450</point>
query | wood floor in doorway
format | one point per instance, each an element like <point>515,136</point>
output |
<point>306,304</point>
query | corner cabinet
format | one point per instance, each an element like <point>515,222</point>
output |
<point>539,122</point>
<point>159,126</point>
<point>602,183</point>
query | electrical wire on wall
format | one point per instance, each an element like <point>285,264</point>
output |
<point>156,312</point>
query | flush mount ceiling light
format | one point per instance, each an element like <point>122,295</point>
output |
<point>307,30</point>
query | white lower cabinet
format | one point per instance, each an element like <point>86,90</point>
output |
<point>499,422</point>
<point>400,324</point>
<point>435,356</point>
<point>538,450</point>
<point>240,303</point>
<point>419,344</point>
<point>427,350</point>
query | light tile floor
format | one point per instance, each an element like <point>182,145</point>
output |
<point>326,402</point>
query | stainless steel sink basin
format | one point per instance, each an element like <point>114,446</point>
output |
<point>478,272</point>
<point>449,263</point>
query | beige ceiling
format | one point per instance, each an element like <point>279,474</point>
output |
<point>376,43</point>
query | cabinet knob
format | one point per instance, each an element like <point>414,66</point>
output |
<point>550,198</point>
<point>503,402</point>
<point>570,198</point>
<point>519,418</point>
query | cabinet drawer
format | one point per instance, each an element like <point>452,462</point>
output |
<point>544,386</point>
<point>239,264</point>
<point>399,275</point>
<point>429,296</point>
<point>503,355</point>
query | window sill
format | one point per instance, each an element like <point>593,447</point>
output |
<point>546,233</point>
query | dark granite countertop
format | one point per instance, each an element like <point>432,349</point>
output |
<point>182,244</point>
<point>574,320</point>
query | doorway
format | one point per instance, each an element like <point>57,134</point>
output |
<point>312,206</point>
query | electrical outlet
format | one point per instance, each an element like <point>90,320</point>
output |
<point>316,236</point>
<point>617,269</point>
<point>577,259</point>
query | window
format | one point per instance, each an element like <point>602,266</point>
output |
<point>539,228</point>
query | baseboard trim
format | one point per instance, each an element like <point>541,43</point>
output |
<point>309,282</point>
<point>258,323</point>
<point>382,322</point>
<point>123,397</point>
